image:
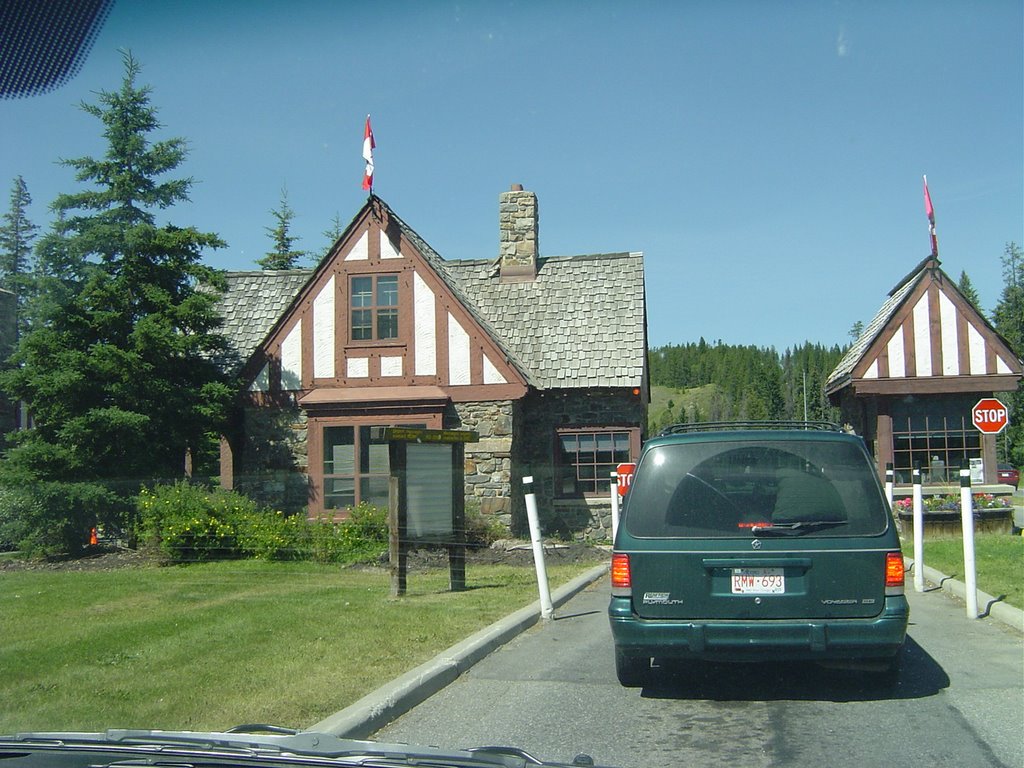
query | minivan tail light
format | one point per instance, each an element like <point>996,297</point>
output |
<point>894,573</point>
<point>622,579</point>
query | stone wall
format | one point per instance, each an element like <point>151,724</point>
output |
<point>488,461</point>
<point>274,459</point>
<point>519,237</point>
<point>536,418</point>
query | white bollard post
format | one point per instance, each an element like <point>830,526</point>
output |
<point>918,532</point>
<point>967,525</point>
<point>890,482</point>
<point>546,608</point>
<point>615,505</point>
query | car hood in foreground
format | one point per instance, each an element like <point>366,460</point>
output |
<point>269,747</point>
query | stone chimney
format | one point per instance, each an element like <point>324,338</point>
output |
<point>517,223</point>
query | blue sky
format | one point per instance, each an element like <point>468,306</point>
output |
<point>767,157</point>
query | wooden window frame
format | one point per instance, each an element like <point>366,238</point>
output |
<point>374,308</point>
<point>317,430</point>
<point>599,485</point>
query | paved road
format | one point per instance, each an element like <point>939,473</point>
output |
<point>960,702</point>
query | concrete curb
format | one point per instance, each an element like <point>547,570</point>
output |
<point>377,709</point>
<point>989,606</point>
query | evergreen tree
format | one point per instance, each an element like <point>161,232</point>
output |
<point>746,381</point>
<point>16,236</point>
<point>1008,316</point>
<point>119,375</point>
<point>58,275</point>
<point>696,415</point>
<point>332,233</point>
<point>1008,319</point>
<point>967,289</point>
<point>284,255</point>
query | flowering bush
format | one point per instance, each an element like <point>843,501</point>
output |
<point>988,501</point>
<point>951,503</point>
<point>190,522</point>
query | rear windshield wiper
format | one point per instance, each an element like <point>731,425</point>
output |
<point>795,528</point>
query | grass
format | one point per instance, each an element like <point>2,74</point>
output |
<point>701,397</point>
<point>998,559</point>
<point>212,645</point>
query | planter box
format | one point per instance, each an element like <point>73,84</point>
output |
<point>946,522</point>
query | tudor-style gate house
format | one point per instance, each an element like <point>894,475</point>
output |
<point>544,357</point>
<point>909,383</point>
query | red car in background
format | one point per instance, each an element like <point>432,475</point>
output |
<point>1009,475</point>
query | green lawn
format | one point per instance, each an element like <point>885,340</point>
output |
<point>998,559</point>
<point>214,645</point>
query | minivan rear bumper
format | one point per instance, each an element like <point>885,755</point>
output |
<point>879,637</point>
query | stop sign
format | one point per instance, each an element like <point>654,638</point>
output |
<point>990,416</point>
<point>625,473</point>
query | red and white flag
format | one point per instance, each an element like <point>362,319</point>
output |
<point>368,145</point>
<point>930,212</point>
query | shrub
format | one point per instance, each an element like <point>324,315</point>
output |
<point>190,523</point>
<point>364,533</point>
<point>270,535</point>
<point>17,508</point>
<point>483,530</point>
<point>47,519</point>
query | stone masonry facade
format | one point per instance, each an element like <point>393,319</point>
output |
<point>488,463</point>
<point>537,418</point>
<point>518,227</point>
<point>274,460</point>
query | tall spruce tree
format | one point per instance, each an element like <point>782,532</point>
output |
<point>1008,316</point>
<point>119,374</point>
<point>17,234</point>
<point>284,255</point>
<point>1008,319</point>
<point>967,289</point>
<point>332,233</point>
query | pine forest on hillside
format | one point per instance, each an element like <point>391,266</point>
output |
<point>697,382</point>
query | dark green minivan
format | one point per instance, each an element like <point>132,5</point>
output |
<point>756,541</point>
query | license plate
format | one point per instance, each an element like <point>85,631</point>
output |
<point>758,581</point>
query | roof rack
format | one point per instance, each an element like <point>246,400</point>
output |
<point>715,426</point>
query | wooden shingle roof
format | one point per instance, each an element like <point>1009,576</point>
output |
<point>927,333</point>
<point>252,304</point>
<point>581,323</point>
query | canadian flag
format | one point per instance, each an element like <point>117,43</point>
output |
<point>368,145</point>
<point>930,213</point>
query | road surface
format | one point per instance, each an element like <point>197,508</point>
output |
<point>552,690</point>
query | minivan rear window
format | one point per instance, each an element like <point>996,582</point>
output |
<point>721,489</point>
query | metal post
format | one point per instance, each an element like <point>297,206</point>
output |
<point>457,548</point>
<point>615,505</point>
<point>396,539</point>
<point>918,532</point>
<point>546,608</point>
<point>967,525</point>
<point>890,482</point>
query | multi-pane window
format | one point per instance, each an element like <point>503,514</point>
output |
<point>356,466</point>
<point>940,447</point>
<point>935,435</point>
<point>374,305</point>
<point>586,460</point>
